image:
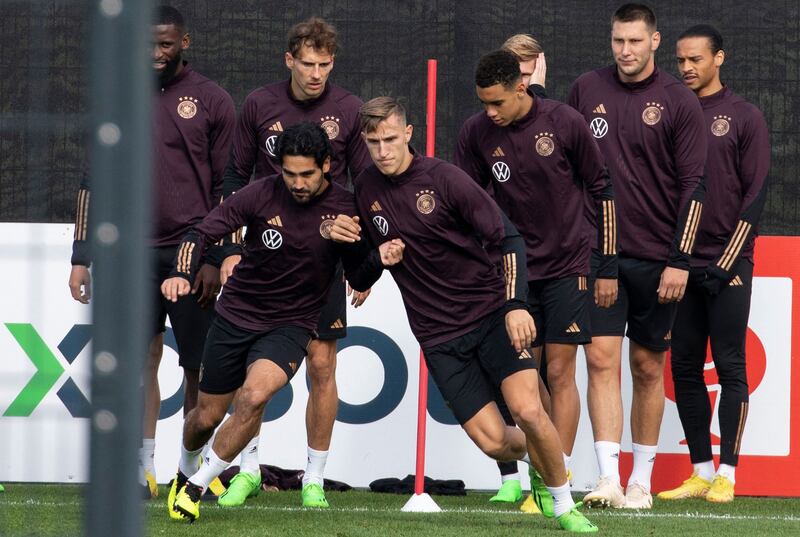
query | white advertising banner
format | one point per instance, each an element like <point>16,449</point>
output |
<point>44,386</point>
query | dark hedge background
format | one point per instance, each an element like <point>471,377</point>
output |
<point>385,44</point>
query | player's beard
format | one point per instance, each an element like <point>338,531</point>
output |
<point>170,69</point>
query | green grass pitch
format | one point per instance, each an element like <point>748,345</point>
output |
<point>57,510</point>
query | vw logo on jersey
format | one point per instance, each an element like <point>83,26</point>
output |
<point>501,171</point>
<point>599,127</point>
<point>270,143</point>
<point>272,239</point>
<point>382,225</point>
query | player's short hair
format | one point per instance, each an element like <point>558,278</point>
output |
<point>705,30</point>
<point>633,13</point>
<point>168,15</point>
<point>498,67</point>
<point>380,109</point>
<point>524,46</point>
<point>314,32</point>
<point>306,139</point>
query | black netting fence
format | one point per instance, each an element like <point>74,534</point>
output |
<point>240,44</point>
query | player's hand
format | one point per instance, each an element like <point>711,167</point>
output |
<point>391,252</point>
<point>521,329</point>
<point>672,285</point>
<point>226,270</point>
<point>539,72</point>
<point>605,292</point>
<point>174,288</point>
<point>80,283</point>
<point>207,282</point>
<point>345,229</point>
<point>359,297</point>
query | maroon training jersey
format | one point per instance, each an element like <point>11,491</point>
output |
<point>194,119</point>
<point>267,111</point>
<point>538,168</point>
<point>447,279</point>
<point>736,175</point>
<point>289,260</point>
<point>653,138</point>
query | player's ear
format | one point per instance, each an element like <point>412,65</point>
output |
<point>186,40</point>
<point>719,58</point>
<point>656,41</point>
<point>289,59</point>
<point>326,166</point>
<point>409,132</point>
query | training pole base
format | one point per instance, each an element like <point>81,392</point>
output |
<point>421,503</point>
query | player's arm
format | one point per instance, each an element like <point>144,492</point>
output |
<point>220,136</point>
<point>588,162</point>
<point>80,279</point>
<point>467,158</point>
<point>690,146</point>
<point>356,153</point>
<point>754,159</point>
<point>496,230</point>
<point>223,219</point>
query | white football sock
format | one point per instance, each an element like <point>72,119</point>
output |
<point>607,459</point>
<point>705,470</point>
<point>315,469</point>
<point>526,459</point>
<point>249,458</point>
<point>190,461</point>
<point>726,470</point>
<point>509,477</point>
<point>212,466</point>
<point>644,457</point>
<point>562,499</point>
<point>147,455</point>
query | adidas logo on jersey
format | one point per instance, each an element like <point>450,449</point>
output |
<point>600,109</point>
<point>375,207</point>
<point>276,127</point>
<point>498,152</point>
<point>275,221</point>
<point>338,324</point>
<point>524,355</point>
<point>573,328</point>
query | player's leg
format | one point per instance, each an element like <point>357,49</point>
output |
<point>510,489</point>
<point>650,333</point>
<point>152,407</point>
<point>604,396</point>
<point>566,325</point>
<point>730,311</point>
<point>323,396</point>
<point>689,338</point>
<point>272,360</point>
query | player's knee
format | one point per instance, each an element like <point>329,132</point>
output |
<point>529,416</point>
<point>206,418</point>
<point>493,446</point>
<point>600,363</point>
<point>560,376</point>
<point>321,370</point>
<point>250,402</point>
<point>647,372</point>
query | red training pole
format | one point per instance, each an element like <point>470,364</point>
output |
<point>422,404</point>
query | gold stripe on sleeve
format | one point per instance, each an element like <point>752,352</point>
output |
<point>690,228</point>
<point>695,227</point>
<point>735,246</point>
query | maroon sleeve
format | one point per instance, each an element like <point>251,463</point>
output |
<point>466,159</point>
<point>220,140</point>
<point>690,148</point>
<point>245,140</point>
<point>480,211</point>
<point>225,218</point>
<point>358,158</point>
<point>754,159</point>
<point>589,164</point>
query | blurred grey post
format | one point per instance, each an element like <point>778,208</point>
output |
<point>120,126</point>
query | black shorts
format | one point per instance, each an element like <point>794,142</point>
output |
<point>230,350</point>
<point>333,316</point>
<point>559,307</point>
<point>470,368</point>
<point>190,322</point>
<point>649,323</point>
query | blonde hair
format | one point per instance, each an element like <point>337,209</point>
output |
<point>524,46</point>
<point>380,109</point>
